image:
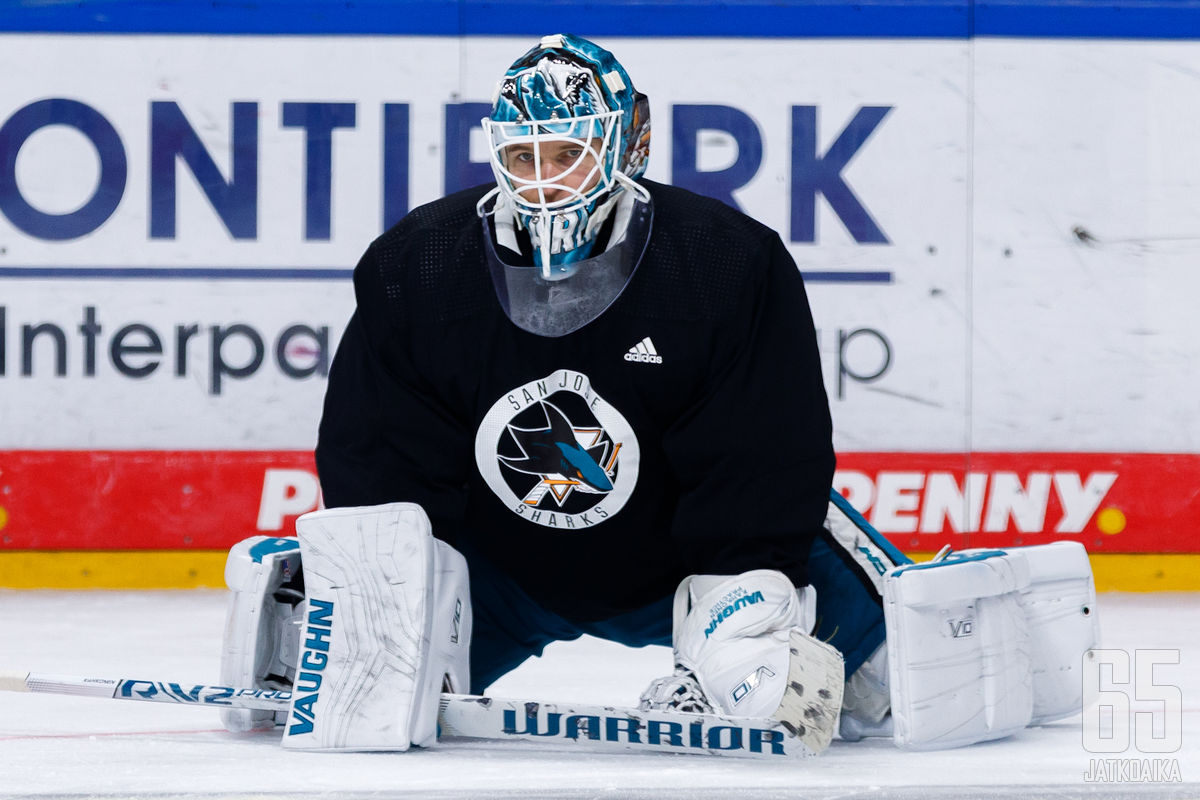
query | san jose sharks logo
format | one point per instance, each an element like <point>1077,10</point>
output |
<point>557,454</point>
<point>561,457</point>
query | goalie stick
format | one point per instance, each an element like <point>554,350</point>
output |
<point>586,727</point>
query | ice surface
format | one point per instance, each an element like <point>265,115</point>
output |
<point>56,746</point>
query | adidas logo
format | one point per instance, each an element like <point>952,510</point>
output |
<point>644,352</point>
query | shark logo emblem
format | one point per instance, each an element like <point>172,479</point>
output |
<point>557,454</point>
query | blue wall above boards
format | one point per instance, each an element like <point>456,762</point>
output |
<point>961,19</point>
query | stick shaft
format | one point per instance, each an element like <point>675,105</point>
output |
<point>147,691</point>
<point>581,726</point>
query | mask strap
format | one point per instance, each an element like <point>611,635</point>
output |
<point>481,207</point>
<point>639,191</point>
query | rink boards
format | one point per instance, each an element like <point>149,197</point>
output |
<point>996,227</point>
<point>161,519</point>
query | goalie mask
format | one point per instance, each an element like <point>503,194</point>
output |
<point>568,135</point>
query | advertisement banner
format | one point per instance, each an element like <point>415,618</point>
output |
<point>208,500</point>
<point>180,221</point>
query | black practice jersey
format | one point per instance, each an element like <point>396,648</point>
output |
<point>686,430</point>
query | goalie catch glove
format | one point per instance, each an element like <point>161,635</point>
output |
<point>742,648</point>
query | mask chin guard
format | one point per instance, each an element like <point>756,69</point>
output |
<point>570,300</point>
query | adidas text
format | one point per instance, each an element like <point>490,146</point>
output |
<point>645,352</point>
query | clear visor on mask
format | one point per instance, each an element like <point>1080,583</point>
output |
<point>558,307</point>
<point>555,166</point>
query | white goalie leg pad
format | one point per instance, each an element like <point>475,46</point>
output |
<point>745,639</point>
<point>958,650</point>
<point>262,624</point>
<point>387,627</point>
<point>1060,610</point>
<point>867,702</point>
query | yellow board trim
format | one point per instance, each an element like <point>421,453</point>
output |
<point>194,569</point>
<point>112,569</point>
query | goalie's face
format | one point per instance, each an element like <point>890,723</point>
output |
<point>554,167</point>
<point>554,171</point>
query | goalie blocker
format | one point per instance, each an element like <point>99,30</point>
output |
<point>742,647</point>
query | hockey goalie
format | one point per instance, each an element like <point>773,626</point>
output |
<point>576,401</point>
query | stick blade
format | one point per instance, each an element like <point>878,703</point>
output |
<point>614,729</point>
